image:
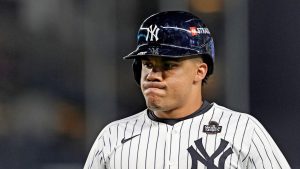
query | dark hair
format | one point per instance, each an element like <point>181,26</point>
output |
<point>207,59</point>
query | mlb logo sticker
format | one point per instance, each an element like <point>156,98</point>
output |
<point>193,31</point>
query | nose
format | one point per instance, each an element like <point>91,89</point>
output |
<point>155,74</point>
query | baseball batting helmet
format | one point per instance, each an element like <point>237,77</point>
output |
<point>173,34</point>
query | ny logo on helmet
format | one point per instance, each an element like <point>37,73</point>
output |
<point>153,31</point>
<point>154,51</point>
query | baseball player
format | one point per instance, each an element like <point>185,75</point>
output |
<point>179,129</point>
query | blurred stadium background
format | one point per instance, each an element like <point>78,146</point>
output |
<point>62,77</point>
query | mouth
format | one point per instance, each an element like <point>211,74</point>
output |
<point>153,85</point>
<point>151,89</point>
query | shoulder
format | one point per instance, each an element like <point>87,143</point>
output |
<point>114,130</point>
<point>130,119</point>
<point>236,116</point>
<point>122,123</point>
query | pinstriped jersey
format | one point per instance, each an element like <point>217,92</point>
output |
<point>218,138</point>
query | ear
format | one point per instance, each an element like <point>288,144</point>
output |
<point>202,69</point>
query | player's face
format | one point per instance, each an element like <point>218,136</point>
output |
<point>169,84</point>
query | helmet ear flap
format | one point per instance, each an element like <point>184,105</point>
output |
<point>137,68</point>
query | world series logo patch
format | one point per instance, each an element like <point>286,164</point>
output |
<point>212,128</point>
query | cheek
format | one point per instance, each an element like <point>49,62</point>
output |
<point>143,75</point>
<point>181,83</point>
<point>179,86</point>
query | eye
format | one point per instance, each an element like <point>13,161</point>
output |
<point>148,65</point>
<point>169,65</point>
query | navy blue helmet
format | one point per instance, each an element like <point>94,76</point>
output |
<point>173,34</point>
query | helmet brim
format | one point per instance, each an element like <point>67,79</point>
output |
<point>163,50</point>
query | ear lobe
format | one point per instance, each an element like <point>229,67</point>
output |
<point>202,69</point>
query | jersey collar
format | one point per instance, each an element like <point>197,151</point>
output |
<point>204,108</point>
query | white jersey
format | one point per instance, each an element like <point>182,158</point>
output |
<point>212,138</point>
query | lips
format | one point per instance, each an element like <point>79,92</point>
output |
<point>157,85</point>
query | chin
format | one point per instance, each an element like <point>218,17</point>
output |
<point>153,108</point>
<point>153,103</point>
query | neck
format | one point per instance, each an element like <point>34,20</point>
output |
<point>180,112</point>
